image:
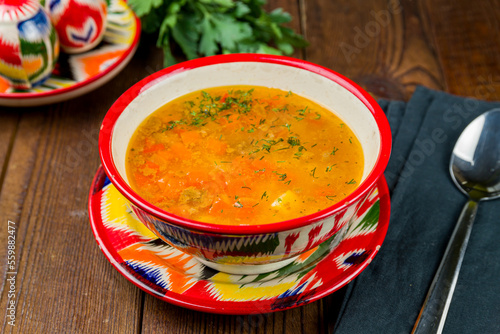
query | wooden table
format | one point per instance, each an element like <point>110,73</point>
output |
<point>49,156</point>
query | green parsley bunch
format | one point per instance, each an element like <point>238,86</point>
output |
<point>209,27</point>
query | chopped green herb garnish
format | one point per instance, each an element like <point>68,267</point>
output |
<point>255,151</point>
<point>284,108</point>
<point>302,112</point>
<point>270,143</point>
<point>173,124</point>
<point>302,148</point>
<point>282,177</point>
<point>283,148</point>
<point>313,172</point>
<point>329,168</point>
<point>294,141</point>
<point>351,182</point>
<point>334,150</point>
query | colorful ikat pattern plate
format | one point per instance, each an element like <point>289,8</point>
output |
<point>77,74</point>
<point>180,279</point>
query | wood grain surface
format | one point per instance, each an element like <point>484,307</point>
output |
<point>49,156</point>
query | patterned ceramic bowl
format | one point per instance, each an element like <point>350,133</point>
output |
<point>258,248</point>
<point>80,24</point>
<point>29,46</point>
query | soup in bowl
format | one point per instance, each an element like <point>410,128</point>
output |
<point>245,161</point>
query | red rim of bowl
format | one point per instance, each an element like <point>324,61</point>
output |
<point>78,85</point>
<point>124,100</point>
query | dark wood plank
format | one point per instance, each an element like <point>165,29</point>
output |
<point>464,35</point>
<point>63,283</point>
<point>160,316</point>
<point>19,164</point>
<point>379,44</point>
<point>9,120</point>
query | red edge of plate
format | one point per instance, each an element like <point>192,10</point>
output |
<point>131,48</point>
<point>235,308</point>
<point>125,99</point>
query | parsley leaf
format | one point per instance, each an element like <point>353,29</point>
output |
<point>142,7</point>
<point>208,27</point>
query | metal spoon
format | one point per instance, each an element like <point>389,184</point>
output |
<point>475,169</point>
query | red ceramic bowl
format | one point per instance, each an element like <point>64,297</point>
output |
<point>246,249</point>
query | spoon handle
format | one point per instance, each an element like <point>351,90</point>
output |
<point>433,313</point>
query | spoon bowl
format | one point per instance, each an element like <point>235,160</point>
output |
<point>475,169</point>
<point>475,162</point>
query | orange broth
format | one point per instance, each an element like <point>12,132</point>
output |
<point>241,155</point>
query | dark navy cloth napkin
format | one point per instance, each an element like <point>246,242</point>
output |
<point>425,205</point>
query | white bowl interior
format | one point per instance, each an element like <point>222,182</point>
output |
<point>307,84</point>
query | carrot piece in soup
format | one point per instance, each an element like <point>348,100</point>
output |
<point>180,151</point>
<point>152,165</point>
<point>197,178</point>
<point>141,180</point>
<point>219,206</point>
<point>153,148</point>
<point>216,146</point>
<point>190,138</point>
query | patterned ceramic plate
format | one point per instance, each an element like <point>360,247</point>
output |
<point>78,74</point>
<point>178,278</point>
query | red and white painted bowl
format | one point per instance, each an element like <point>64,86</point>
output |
<point>247,249</point>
